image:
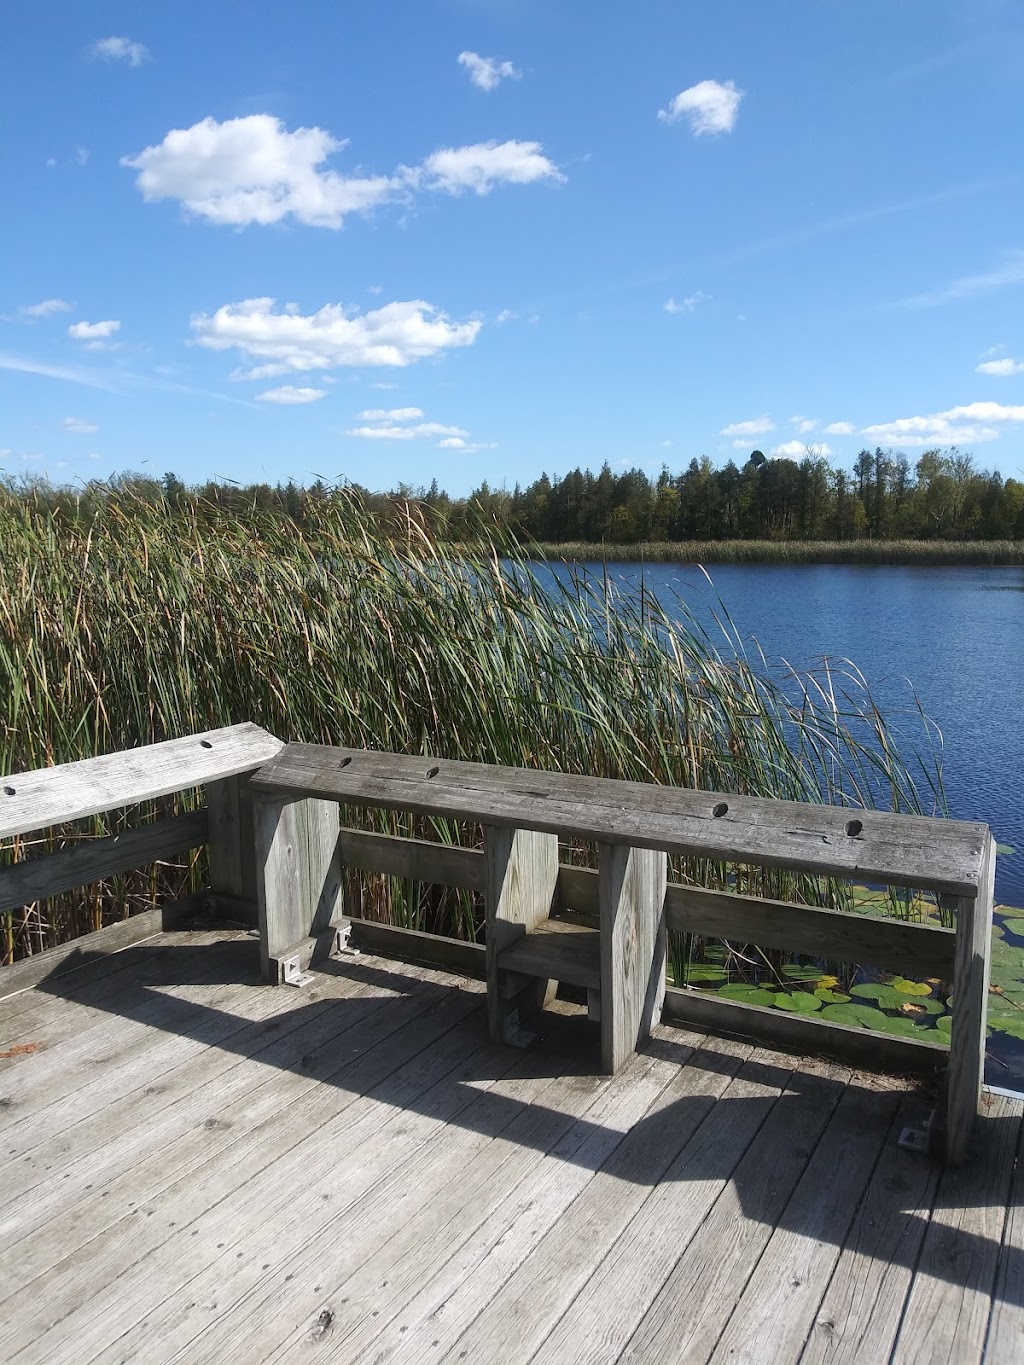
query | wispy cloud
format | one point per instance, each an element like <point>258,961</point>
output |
<point>756,426</point>
<point>79,426</point>
<point>487,73</point>
<point>88,378</point>
<point>839,429</point>
<point>710,106</point>
<point>1003,276</point>
<point>688,305</point>
<point>46,309</point>
<point>119,50</point>
<point>290,396</point>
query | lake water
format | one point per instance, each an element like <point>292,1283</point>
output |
<point>953,636</point>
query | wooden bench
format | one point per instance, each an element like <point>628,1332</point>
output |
<point>299,852</point>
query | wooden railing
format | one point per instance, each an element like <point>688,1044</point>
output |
<point>302,852</point>
<point>275,840</point>
<point>218,761</point>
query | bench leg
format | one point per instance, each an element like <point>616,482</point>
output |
<point>632,896</point>
<point>298,878</point>
<point>521,886</point>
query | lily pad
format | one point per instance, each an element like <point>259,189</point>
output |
<point>796,972</point>
<point>830,997</point>
<point>906,987</point>
<point>1015,926</point>
<point>944,1025</point>
<point>702,972</point>
<point>854,1016</point>
<point>1013,1027</point>
<point>886,996</point>
<point>748,995</point>
<point>1005,849</point>
<point>923,1005</point>
<point>800,1002</point>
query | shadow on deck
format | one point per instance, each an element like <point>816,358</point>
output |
<point>204,1168</point>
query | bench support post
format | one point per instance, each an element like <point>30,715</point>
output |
<point>632,897</point>
<point>521,889</point>
<point>966,1070</point>
<point>298,878</point>
<point>230,847</point>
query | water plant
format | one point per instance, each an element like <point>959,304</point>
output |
<point>133,623</point>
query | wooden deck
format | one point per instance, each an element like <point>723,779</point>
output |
<point>199,1168</point>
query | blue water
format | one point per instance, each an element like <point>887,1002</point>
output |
<point>952,636</point>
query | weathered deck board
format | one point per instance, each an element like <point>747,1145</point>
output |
<point>860,1314</point>
<point>1006,1326</point>
<point>777,1307</point>
<point>355,1174</point>
<point>949,1303</point>
<point>142,1247</point>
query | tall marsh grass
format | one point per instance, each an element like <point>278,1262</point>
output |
<point>139,626</point>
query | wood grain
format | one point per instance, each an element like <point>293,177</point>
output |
<point>49,874</point>
<point>632,943</point>
<point>72,791</point>
<point>874,846</point>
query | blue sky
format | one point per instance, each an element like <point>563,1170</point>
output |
<point>394,240</point>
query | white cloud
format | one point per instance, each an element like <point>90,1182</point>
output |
<point>390,414</point>
<point>756,427</point>
<point>119,50</point>
<point>465,447</point>
<point>483,165</point>
<point>796,450</point>
<point>289,395</point>
<point>804,424</point>
<point>487,73</point>
<point>968,422</point>
<point>79,426</point>
<point>689,304</point>
<point>93,331</point>
<point>406,433</point>
<point>252,170</point>
<point>382,384</point>
<point>1003,368</point>
<point>1010,273</point>
<point>839,429</point>
<point>82,156</point>
<point>397,334</point>
<point>710,106</point>
<point>45,309</point>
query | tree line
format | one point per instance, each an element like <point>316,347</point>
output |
<point>943,496</point>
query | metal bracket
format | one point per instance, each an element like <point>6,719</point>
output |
<point>514,1034</point>
<point>291,970</point>
<point>292,973</point>
<point>918,1138</point>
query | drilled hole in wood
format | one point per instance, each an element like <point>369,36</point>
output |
<point>853,828</point>
<point>8,791</point>
<point>345,762</point>
<point>205,744</point>
<point>433,772</point>
<point>721,809</point>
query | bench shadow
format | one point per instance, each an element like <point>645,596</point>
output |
<point>442,1036</point>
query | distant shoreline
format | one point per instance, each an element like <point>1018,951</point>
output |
<point>966,553</point>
